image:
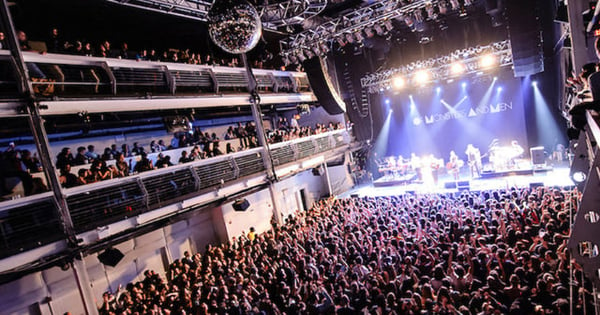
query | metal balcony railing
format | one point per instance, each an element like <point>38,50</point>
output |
<point>68,76</point>
<point>33,221</point>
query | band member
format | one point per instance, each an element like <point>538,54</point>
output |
<point>454,165</point>
<point>474,160</point>
<point>415,163</point>
<point>516,154</point>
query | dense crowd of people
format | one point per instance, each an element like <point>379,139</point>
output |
<point>492,252</point>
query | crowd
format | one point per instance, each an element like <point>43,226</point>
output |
<point>116,161</point>
<point>56,43</point>
<point>492,252</point>
<point>202,146</point>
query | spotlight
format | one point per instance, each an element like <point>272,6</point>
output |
<point>488,61</point>
<point>495,78</point>
<point>398,82</point>
<point>464,85</point>
<point>534,83</point>
<point>421,77</point>
<point>387,101</point>
<point>341,42</point>
<point>324,48</point>
<point>457,68</point>
<point>499,89</point>
<point>438,89</point>
<point>359,37</point>
<point>349,38</point>
<point>369,32</point>
<point>388,25</point>
<point>391,110</point>
<point>378,30</point>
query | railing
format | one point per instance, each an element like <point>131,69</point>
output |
<point>68,76</point>
<point>33,221</point>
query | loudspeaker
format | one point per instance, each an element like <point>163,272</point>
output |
<point>535,185</point>
<point>322,87</point>
<point>317,171</point>
<point>450,185</point>
<point>537,155</point>
<point>525,37</point>
<point>463,183</point>
<point>241,205</point>
<point>111,257</point>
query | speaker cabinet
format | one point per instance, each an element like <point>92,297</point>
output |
<point>450,185</point>
<point>537,155</point>
<point>322,86</point>
<point>525,37</point>
<point>241,205</point>
<point>535,185</point>
<point>111,257</point>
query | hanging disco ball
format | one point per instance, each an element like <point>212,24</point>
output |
<point>234,26</point>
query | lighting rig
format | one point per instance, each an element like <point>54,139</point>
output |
<point>461,62</point>
<point>367,21</point>
<point>273,15</point>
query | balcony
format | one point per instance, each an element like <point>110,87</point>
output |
<point>66,84</point>
<point>24,221</point>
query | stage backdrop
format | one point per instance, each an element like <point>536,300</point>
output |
<point>437,120</point>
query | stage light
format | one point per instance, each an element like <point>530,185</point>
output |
<point>391,110</point>
<point>499,89</point>
<point>398,82</point>
<point>349,38</point>
<point>341,42</point>
<point>387,101</point>
<point>495,78</point>
<point>421,77</point>
<point>369,32</point>
<point>488,61</point>
<point>388,25</point>
<point>378,30</point>
<point>464,85</point>
<point>358,36</point>
<point>438,89</point>
<point>457,68</point>
<point>534,83</point>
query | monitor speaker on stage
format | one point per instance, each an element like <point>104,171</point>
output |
<point>322,86</point>
<point>535,185</point>
<point>463,185</point>
<point>241,204</point>
<point>450,185</point>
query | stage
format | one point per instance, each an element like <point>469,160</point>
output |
<point>557,176</point>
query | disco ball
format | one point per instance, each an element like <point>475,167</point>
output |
<point>234,26</point>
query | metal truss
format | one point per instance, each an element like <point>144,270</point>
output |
<point>377,15</point>
<point>191,9</point>
<point>441,68</point>
<point>290,12</point>
<point>272,15</point>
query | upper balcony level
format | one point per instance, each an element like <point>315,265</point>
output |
<point>66,84</point>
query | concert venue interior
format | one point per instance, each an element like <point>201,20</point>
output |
<point>299,157</point>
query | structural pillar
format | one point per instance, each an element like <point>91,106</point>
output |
<point>327,179</point>
<point>36,123</point>
<point>262,138</point>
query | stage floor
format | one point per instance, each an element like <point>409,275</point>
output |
<point>558,176</point>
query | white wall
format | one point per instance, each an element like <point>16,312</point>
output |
<point>155,250</point>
